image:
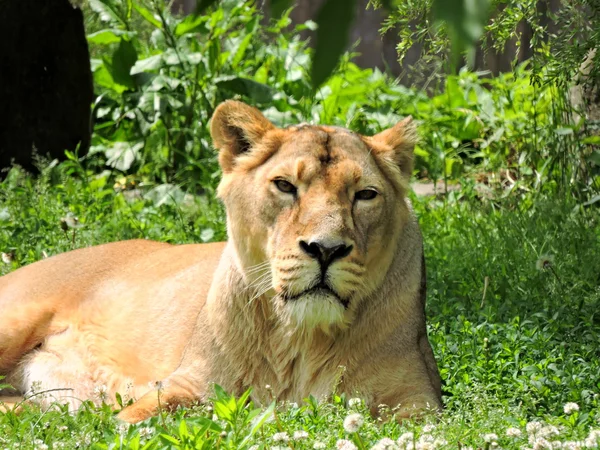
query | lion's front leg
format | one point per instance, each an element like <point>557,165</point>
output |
<point>410,384</point>
<point>173,392</point>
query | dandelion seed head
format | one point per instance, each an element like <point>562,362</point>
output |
<point>281,437</point>
<point>385,444</point>
<point>300,435</point>
<point>406,441</point>
<point>101,392</point>
<point>345,444</point>
<point>544,262</point>
<point>159,385</point>
<point>354,402</point>
<point>353,422</point>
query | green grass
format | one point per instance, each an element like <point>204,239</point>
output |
<point>512,305</point>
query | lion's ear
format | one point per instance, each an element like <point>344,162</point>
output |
<point>236,128</point>
<point>397,145</point>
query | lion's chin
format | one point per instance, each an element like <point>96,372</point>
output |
<point>316,309</point>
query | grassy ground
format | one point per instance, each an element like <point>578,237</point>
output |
<point>513,319</point>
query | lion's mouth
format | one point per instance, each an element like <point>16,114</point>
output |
<point>318,289</point>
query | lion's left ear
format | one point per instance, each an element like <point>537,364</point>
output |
<point>397,144</point>
<point>236,128</point>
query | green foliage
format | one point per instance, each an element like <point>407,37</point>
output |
<point>512,312</point>
<point>159,85</point>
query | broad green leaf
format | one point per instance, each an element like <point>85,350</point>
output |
<point>123,60</point>
<point>122,155</point>
<point>278,7</point>
<point>595,140</point>
<point>258,92</point>
<point>103,77</point>
<point>147,64</point>
<point>334,20</point>
<point>165,194</point>
<point>170,439</point>
<point>258,423</point>
<point>106,37</point>
<point>207,235</point>
<point>147,14</point>
<point>191,24</point>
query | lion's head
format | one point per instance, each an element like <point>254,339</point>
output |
<point>314,212</point>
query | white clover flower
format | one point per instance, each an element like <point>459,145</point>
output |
<point>549,430</point>
<point>385,444</point>
<point>319,445</point>
<point>513,432</point>
<point>428,428</point>
<point>63,428</point>
<point>440,442</point>
<point>533,427</point>
<point>293,405</point>
<point>279,447</point>
<point>353,422</point>
<point>300,435</point>
<point>146,432</point>
<point>593,439</point>
<point>490,437</point>
<point>345,444</point>
<point>7,258</point>
<point>570,407</point>
<point>354,402</point>
<point>281,437</point>
<point>540,444</point>
<point>572,445</point>
<point>557,445</point>
<point>254,447</point>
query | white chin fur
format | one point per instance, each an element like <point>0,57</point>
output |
<point>315,310</point>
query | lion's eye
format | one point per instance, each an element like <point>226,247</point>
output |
<point>366,194</point>
<point>285,186</point>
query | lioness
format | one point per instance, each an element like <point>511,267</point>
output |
<point>323,268</point>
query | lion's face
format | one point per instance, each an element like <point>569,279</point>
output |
<point>314,212</point>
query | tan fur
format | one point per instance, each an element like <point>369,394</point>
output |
<point>115,317</point>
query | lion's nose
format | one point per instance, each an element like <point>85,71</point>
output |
<point>326,253</point>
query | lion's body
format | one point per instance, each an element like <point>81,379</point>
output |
<point>103,316</point>
<point>309,282</point>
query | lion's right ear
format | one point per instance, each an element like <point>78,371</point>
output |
<point>236,128</point>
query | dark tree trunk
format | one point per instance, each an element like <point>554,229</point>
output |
<point>45,81</point>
